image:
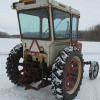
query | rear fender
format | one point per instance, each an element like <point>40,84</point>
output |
<point>77,44</point>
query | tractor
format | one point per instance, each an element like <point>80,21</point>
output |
<point>50,53</point>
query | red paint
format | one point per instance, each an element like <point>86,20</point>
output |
<point>77,44</point>
<point>70,75</point>
<point>73,43</point>
<point>31,75</point>
<point>24,79</point>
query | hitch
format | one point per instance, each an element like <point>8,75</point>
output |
<point>43,84</point>
<point>27,75</point>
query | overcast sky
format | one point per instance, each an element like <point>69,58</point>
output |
<point>89,10</point>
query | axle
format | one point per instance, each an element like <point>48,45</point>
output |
<point>87,63</point>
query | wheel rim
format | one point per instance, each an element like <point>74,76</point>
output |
<point>73,75</point>
<point>95,71</point>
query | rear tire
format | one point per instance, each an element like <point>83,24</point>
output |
<point>67,73</point>
<point>12,63</point>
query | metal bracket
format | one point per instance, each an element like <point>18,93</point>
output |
<point>43,84</point>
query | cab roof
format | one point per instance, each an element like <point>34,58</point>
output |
<point>29,4</point>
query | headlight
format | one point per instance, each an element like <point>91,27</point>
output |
<point>50,1</point>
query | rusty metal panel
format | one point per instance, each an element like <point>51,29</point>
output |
<point>43,45</point>
<point>27,0</point>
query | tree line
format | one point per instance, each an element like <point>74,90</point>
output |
<point>6,35</point>
<point>92,34</point>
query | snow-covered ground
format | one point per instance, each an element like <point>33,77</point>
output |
<point>89,90</point>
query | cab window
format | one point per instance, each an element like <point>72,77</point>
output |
<point>74,28</point>
<point>61,22</point>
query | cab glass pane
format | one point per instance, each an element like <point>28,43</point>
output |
<point>61,24</point>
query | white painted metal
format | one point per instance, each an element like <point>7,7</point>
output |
<point>42,3</point>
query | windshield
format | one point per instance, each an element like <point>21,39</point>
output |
<point>61,21</point>
<point>34,23</point>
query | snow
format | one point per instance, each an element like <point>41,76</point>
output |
<point>89,89</point>
<point>59,72</point>
<point>7,44</point>
<point>90,48</point>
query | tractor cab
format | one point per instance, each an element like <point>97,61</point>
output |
<point>46,27</point>
<point>49,49</point>
<point>46,20</point>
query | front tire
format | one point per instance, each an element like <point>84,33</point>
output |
<point>93,70</point>
<point>67,73</point>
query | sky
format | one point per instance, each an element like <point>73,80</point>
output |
<point>89,10</point>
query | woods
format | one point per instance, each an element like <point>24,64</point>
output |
<point>92,34</point>
<point>4,35</point>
